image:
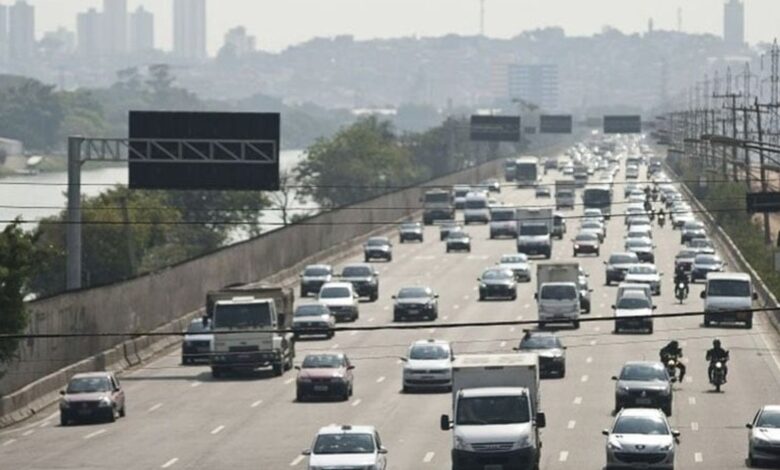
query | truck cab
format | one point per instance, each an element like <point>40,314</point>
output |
<point>438,204</point>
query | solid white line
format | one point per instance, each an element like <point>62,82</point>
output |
<point>577,400</point>
<point>589,360</point>
<point>256,404</point>
<point>9,442</point>
<point>380,379</point>
<point>297,460</point>
<point>697,457</point>
<point>694,426</point>
<point>27,433</point>
<point>289,381</point>
<point>564,456</point>
<point>428,457</point>
<point>218,429</point>
<point>94,434</point>
<point>356,402</point>
<point>584,378</point>
<point>691,400</point>
<point>571,424</point>
<point>170,463</point>
<point>155,407</point>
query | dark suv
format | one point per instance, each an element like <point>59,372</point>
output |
<point>378,247</point>
<point>643,384</point>
<point>618,264</point>
<point>416,303</point>
<point>364,279</point>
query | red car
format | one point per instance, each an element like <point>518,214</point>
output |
<point>324,375</point>
<point>94,395</point>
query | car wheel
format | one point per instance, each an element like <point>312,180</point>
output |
<point>366,259</point>
<point>63,420</point>
<point>608,282</point>
<point>481,296</point>
<point>707,322</point>
<point>542,325</point>
<point>299,396</point>
<point>122,411</point>
<point>216,373</point>
<point>390,258</point>
<point>650,330</point>
<point>374,296</point>
<point>574,255</point>
<point>468,250</point>
<point>303,292</point>
<point>514,295</point>
<point>396,318</point>
<point>185,360</point>
<point>401,240</point>
<point>112,415</point>
<point>278,369</point>
<point>448,249</point>
<point>563,371</point>
<point>667,409</point>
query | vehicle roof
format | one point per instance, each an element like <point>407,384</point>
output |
<point>337,284</point>
<point>775,408</point>
<point>437,342</point>
<point>492,391</point>
<point>323,266</point>
<point>384,239</point>
<point>728,276</point>
<point>632,293</point>
<point>347,429</point>
<point>654,364</point>
<point>357,265</point>
<point>640,413</point>
<point>87,375</point>
<point>339,354</point>
<point>623,253</point>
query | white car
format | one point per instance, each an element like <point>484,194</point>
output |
<point>519,264</point>
<point>593,214</point>
<point>341,299</point>
<point>313,319</point>
<point>645,274</point>
<point>633,312</point>
<point>347,447</point>
<point>764,436</point>
<point>428,365</point>
<point>594,226</point>
<point>641,438</point>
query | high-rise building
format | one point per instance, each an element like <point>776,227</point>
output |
<point>141,30</point>
<point>89,33</point>
<point>734,24</point>
<point>239,42</point>
<point>114,35</point>
<point>189,29</point>
<point>537,84</point>
<point>21,31</point>
<point>3,34</point>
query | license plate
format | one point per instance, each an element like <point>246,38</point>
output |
<point>643,401</point>
<point>413,311</point>
<point>494,467</point>
<point>84,412</point>
<point>427,377</point>
<point>243,356</point>
<point>320,388</point>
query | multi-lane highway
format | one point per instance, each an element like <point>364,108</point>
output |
<point>179,417</point>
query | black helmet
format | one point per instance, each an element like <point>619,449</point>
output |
<point>673,343</point>
<point>716,343</point>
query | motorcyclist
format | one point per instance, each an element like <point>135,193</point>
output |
<point>673,351</point>
<point>648,205</point>
<point>681,277</point>
<point>655,193</point>
<point>715,354</point>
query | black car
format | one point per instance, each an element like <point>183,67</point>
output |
<point>410,231</point>
<point>378,247</point>
<point>684,259</point>
<point>643,384</point>
<point>703,264</point>
<point>586,242</point>
<point>447,226</point>
<point>364,279</point>
<point>197,342</point>
<point>497,283</point>
<point>458,241</point>
<point>552,354</point>
<point>415,303</point>
<point>313,277</point>
<point>617,266</point>
<point>492,185</point>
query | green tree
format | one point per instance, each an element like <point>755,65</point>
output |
<point>18,255</point>
<point>31,112</point>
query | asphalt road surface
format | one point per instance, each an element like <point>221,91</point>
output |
<point>180,418</point>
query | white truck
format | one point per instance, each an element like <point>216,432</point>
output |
<point>496,412</point>
<point>728,297</point>
<point>534,231</point>
<point>565,194</point>
<point>526,171</point>
<point>502,222</point>
<point>557,293</point>
<point>245,324</point>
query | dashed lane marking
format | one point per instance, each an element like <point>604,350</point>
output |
<point>512,329</point>
<point>455,307</point>
<point>195,384</point>
<point>386,307</point>
<point>356,402</point>
<point>432,330</point>
<point>589,360</point>
<point>353,333</point>
<point>571,424</point>
<point>691,400</point>
<point>445,317</point>
<point>27,433</point>
<point>593,342</point>
<point>584,378</point>
<point>525,306</point>
<point>289,381</point>
<point>371,320</point>
<point>597,329</point>
<point>155,407</point>
<point>94,434</point>
<point>256,404</point>
<point>519,317</point>
<point>297,460</point>
<point>335,346</point>
<point>9,442</point>
<point>218,429</point>
<point>170,463</point>
<point>44,424</point>
<point>428,457</point>
<point>688,379</point>
<point>380,379</point>
<point>697,457</point>
<point>694,426</point>
<point>564,456</point>
<point>578,400</point>
<point>502,344</point>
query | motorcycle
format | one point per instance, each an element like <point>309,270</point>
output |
<point>655,195</point>
<point>718,377</point>
<point>671,368</point>
<point>681,291</point>
<point>661,220</point>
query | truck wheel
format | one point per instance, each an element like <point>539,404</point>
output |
<point>216,372</point>
<point>576,324</point>
<point>749,323</point>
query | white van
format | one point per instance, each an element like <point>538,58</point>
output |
<point>624,287</point>
<point>728,297</point>
<point>476,208</point>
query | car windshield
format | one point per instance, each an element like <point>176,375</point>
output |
<point>706,259</point>
<point>334,292</point>
<point>693,225</point>
<point>377,242</point>
<point>622,259</point>
<point>700,243</point>
<point>316,272</point>
<point>502,215</point>
<point>410,226</point>
<point>310,310</point>
<point>197,327</point>
<point>631,303</point>
<point>559,292</point>
<point>728,288</point>
<point>476,204</point>
<point>477,411</point>
<point>643,373</point>
<point>638,243</point>
<point>686,254</point>
<point>533,229</point>
<point>461,192</point>
<point>655,426</point>
<point>510,259</point>
<point>769,419</point>
<point>352,443</point>
<point>642,269</point>
<point>586,237</point>
<point>413,293</point>
<point>429,352</point>
<point>591,224</point>
<point>356,271</point>
<point>540,342</point>
<point>323,361</point>
<point>88,385</point>
<point>458,235</point>
<point>497,274</point>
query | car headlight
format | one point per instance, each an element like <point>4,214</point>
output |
<point>622,390</point>
<point>523,442</point>
<point>482,285</point>
<point>614,444</point>
<point>760,441</point>
<point>666,448</point>
<point>105,402</point>
<point>576,247</point>
<point>461,444</point>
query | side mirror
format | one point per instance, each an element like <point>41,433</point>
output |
<point>297,367</point>
<point>703,294</point>
<point>403,359</point>
<point>516,349</point>
<point>613,307</point>
<point>536,296</point>
<point>590,290</point>
<point>614,377</point>
<point>605,432</point>
<point>382,450</point>
<point>300,275</point>
<point>660,274</point>
<point>435,296</point>
<point>478,279</point>
<point>392,297</point>
<point>655,307</point>
<point>676,433</point>
<point>444,423</point>
<point>749,426</point>
<point>541,420</point>
<point>350,367</point>
<point>306,452</point>
<point>62,392</point>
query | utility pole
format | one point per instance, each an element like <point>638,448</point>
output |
<point>767,235</point>
<point>730,95</point>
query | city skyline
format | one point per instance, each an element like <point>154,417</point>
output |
<point>270,23</point>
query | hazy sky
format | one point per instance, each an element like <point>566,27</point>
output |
<point>279,23</point>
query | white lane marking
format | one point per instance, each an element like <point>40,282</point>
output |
<point>94,434</point>
<point>589,360</point>
<point>170,463</point>
<point>27,433</point>
<point>218,429</point>
<point>466,297</point>
<point>593,342</point>
<point>380,379</point>
<point>353,333</point>
<point>502,345</point>
<point>399,361</point>
<point>512,328</point>
<point>601,305</point>
<point>571,424</point>
<point>256,404</point>
<point>578,400</point>
<point>526,305</point>
<point>297,460</point>
<point>432,330</point>
<point>445,317</point>
<point>697,457</point>
<point>519,317</point>
<point>455,307</point>
<point>475,288</point>
<point>604,295</point>
<point>598,328</point>
<point>428,457</point>
<point>9,442</point>
<point>44,424</point>
<point>155,407</point>
<point>584,378</point>
<point>691,400</point>
<point>356,402</point>
<point>195,384</point>
<point>289,381</point>
<point>694,426</point>
<point>564,456</point>
<point>335,346</point>
<point>688,379</point>
<point>387,307</point>
<point>370,320</point>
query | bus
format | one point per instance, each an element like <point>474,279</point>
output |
<point>526,171</point>
<point>598,197</point>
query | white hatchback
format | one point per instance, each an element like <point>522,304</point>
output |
<point>347,447</point>
<point>641,438</point>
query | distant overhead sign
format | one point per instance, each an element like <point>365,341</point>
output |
<point>204,151</point>
<point>763,202</point>
<point>555,124</point>
<point>495,128</point>
<point>623,124</point>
